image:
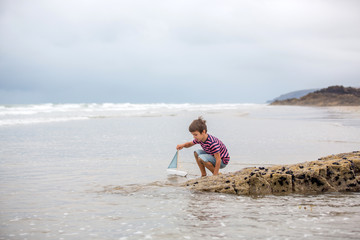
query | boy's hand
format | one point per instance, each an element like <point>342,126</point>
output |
<point>184,145</point>
<point>180,146</point>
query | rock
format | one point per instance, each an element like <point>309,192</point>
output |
<point>335,173</point>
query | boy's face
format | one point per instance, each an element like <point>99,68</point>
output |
<point>199,136</point>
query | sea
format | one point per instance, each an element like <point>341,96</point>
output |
<point>98,171</point>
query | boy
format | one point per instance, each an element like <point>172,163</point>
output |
<point>214,155</point>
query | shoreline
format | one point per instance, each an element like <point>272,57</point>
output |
<point>340,107</point>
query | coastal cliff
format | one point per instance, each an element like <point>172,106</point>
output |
<point>335,173</point>
<point>331,96</point>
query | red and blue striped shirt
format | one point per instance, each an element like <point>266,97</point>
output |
<point>213,145</point>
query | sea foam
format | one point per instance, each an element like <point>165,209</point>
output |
<point>44,113</point>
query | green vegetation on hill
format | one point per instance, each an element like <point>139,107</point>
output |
<point>331,96</point>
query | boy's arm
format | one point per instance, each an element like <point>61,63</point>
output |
<point>218,163</point>
<point>184,145</point>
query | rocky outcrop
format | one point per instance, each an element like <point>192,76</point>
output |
<point>335,173</point>
<point>331,96</point>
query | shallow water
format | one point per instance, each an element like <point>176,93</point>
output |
<point>99,172</point>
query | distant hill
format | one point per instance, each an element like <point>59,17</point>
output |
<point>295,94</point>
<point>331,96</point>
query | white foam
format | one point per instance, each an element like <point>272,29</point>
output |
<point>43,113</point>
<point>8,122</point>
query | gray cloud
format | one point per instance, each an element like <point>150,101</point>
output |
<point>175,51</point>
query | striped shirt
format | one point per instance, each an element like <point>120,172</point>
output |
<point>213,145</point>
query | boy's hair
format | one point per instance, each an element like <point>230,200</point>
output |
<point>198,125</point>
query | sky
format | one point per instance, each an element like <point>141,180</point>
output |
<point>178,51</point>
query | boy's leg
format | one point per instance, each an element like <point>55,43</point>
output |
<point>209,166</point>
<point>201,165</point>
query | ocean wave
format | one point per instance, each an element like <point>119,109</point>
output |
<point>94,107</point>
<point>42,113</point>
<point>8,122</point>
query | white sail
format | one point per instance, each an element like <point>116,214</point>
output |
<point>174,166</point>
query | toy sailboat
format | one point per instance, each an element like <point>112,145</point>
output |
<point>174,166</point>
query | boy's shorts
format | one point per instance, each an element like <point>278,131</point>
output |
<point>208,158</point>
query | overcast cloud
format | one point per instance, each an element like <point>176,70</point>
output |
<point>176,51</point>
